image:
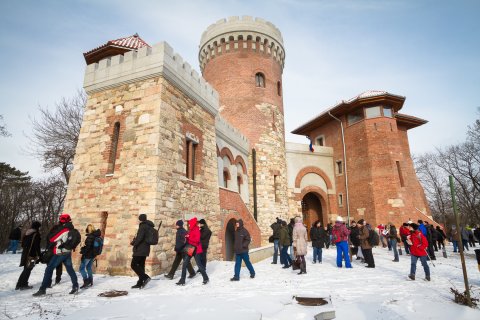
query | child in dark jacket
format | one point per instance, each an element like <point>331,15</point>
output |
<point>88,255</point>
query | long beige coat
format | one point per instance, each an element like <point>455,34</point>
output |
<point>300,239</point>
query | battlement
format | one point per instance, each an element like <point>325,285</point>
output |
<point>231,135</point>
<point>241,33</point>
<point>147,63</point>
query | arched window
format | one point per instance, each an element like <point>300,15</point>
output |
<point>113,148</point>
<point>260,80</point>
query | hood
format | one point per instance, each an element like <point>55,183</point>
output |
<point>240,223</point>
<point>147,222</point>
<point>192,223</point>
<point>97,233</point>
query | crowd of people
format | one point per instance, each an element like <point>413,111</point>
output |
<point>290,243</point>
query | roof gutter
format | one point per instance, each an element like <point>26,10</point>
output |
<point>344,166</point>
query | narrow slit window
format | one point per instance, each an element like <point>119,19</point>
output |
<point>191,159</point>
<point>113,149</point>
<point>340,200</point>
<point>339,167</point>
<point>239,184</point>
<point>279,88</point>
<point>260,80</point>
<point>276,188</point>
<point>400,175</point>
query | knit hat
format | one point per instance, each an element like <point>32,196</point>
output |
<point>36,225</point>
<point>202,221</point>
<point>64,218</point>
<point>414,226</point>
<point>361,221</point>
<point>339,219</point>
<point>179,223</point>
<point>142,217</point>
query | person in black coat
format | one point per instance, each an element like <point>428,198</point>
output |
<point>205,234</point>
<point>429,236</point>
<point>30,255</point>
<point>14,237</point>
<point>179,244</point>
<point>276,238</point>
<point>88,255</point>
<point>141,250</point>
<point>434,233</point>
<point>241,242</point>
<point>290,234</point>
<point>319,239</point>
<point>441,236</point>
<point>354,233</point>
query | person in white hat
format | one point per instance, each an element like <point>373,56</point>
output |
<point>340,235</point>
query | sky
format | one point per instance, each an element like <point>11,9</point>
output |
<point>427,51</point>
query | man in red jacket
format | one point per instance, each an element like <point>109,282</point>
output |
<point>418,246</point>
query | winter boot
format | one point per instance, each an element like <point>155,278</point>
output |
<point>138,285</point>
<point>252,276</point>
<point>180,283</point>
<point>74,290</point>
<point>411,276</point>
<point>90,282</point>
<point>190,276</point>
<point>145,282</point>
<point>234,279</point>
<point>205,281</point>
<point>27,287</point>
<point>169,276</point>
<point>85,283</point>
<point>426,278</point>
<point>40,292</point>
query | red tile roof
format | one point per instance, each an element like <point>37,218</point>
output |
<point>121,45</point>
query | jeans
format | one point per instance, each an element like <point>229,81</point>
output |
<point>317,254</point>
<point>138,265</point>
<point>12,246</point>
<point>465,244</point>
<point>393,245</point>
<point>286,258</point>
<point>186,262</point>
<point>342,249</point>
<point>176,263</point>
<point>455,245</point>
<point>54,262</point>
<point>238,264</point>
<point>423,260</point>
<point>86,264</point>
<point>275,250</point>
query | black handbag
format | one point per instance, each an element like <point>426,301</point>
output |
<point>296,263</point>
<point>46,256</point>
<point>270,239</point>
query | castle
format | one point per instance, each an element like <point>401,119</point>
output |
<point>158,138</point>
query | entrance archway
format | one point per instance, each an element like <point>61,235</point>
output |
<point>229,240</point>
<point>311,210</point>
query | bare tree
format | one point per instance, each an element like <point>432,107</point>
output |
<point>55,134</point>
<point>3,128</point>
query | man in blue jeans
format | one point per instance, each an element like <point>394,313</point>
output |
<point>276,239</point>
<point>14,238</point>
<point>61,255</point>
<point>241,243</point>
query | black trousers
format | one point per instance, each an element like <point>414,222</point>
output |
<point>138,265</point>
<point>186,262</point>
<point>24,276</point>
<point>176,263</point>
<point>203,258</point>
<point>368,255</point>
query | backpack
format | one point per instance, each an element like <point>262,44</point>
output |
<point>151,238</point>
<point>73,240</point>
<point>373,238</point>
<point>97,246</point>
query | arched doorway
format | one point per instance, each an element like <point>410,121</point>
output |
<point>229,240</point>
<point>311,210</point>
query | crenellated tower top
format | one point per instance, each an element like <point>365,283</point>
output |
<point>241,33</point>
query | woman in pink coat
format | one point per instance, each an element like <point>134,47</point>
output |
<point>300,240</point>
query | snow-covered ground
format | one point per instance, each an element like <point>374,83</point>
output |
<point>358,293</point>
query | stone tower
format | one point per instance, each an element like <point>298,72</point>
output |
<point>243,59</point>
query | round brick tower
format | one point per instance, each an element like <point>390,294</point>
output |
<point>243,59</point>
